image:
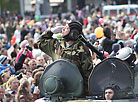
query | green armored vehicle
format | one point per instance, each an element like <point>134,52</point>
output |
<point>62,82</point>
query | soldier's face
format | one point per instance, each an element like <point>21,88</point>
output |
<point>65,30</point>
<point>109,93</point>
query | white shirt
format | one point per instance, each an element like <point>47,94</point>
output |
<point>36,52</point>
<point>36,36</point>
<point>17,34</point>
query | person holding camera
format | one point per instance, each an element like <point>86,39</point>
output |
<point>24,45</point>
<point>69,48</point>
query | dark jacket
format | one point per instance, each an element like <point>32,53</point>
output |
<point>20,62</point>
<point>107,45</point>
<point>23,34</point>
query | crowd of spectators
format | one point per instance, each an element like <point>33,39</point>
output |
<point>22,62</point>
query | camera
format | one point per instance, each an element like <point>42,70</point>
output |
<point>27,47</point>
<point>19,76</point>
<point>9,61</point>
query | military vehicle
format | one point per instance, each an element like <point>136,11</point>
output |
<point>62,81</point>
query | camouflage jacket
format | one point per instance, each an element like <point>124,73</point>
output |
<point>75,53</point>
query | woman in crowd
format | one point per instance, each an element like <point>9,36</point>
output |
<point>12,86</point>
<point>23,45</point>
<point>24,94</point>
<point>5,77</point>
<point>36,82</point>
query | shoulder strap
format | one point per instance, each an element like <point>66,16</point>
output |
<point>86,49</point>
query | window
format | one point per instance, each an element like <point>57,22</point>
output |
<point>132,10</point>
<point>122,10</point>
<point>137,10</point>
<point>113,12</point>
<point>106,12</point>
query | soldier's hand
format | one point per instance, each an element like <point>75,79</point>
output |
<point>57,29</point>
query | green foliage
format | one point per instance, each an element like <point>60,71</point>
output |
<point>10,5</point>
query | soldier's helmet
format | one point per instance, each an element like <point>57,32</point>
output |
<point>75,29</point>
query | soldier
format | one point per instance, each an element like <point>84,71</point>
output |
<point>69,48</point>
<point>109,93</point>
<point>112,92</point>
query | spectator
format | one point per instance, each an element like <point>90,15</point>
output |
<point>32,64</point>
<point>31,43</point>
<point>15,50</point>
<point>40,61</point>
<point>36,52</point>
<point>93,38</point>
<point>24,94</point>
<point>1,29</point>
<point>121,39</point>
<point>5,77</point>
<point>3,52</point>
<point>22,61</point>
<point>1,45</point>
<point>36,82</point>
<point>12,86</point>
<point>9,31</point>
<point>2,94</point>
<point>48,59</point>
<point>29,75</point>
<point>107,42</point>
<point>25,64</point>
<point>24,32</point>
<point>4,64</point>
<point>115,48</point>
<point>17,33</point>
<point>36,35</point>
<point>40,69</point>
<point>24,45</point>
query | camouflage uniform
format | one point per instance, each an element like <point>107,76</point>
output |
<point>75,53</point>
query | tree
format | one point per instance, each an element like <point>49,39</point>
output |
<point>10,5</point>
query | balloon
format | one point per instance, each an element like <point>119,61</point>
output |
<point>99,13</point>
<point>101,21</point>
<point>29,24</point>
<point>99,32</point>
<point>27,21</point>
<point>85,21</point>
<point>37,18</point>
<point>14,38</point>
<point>12,42</point>
<point>32,22</point>
<point>107,17</point>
